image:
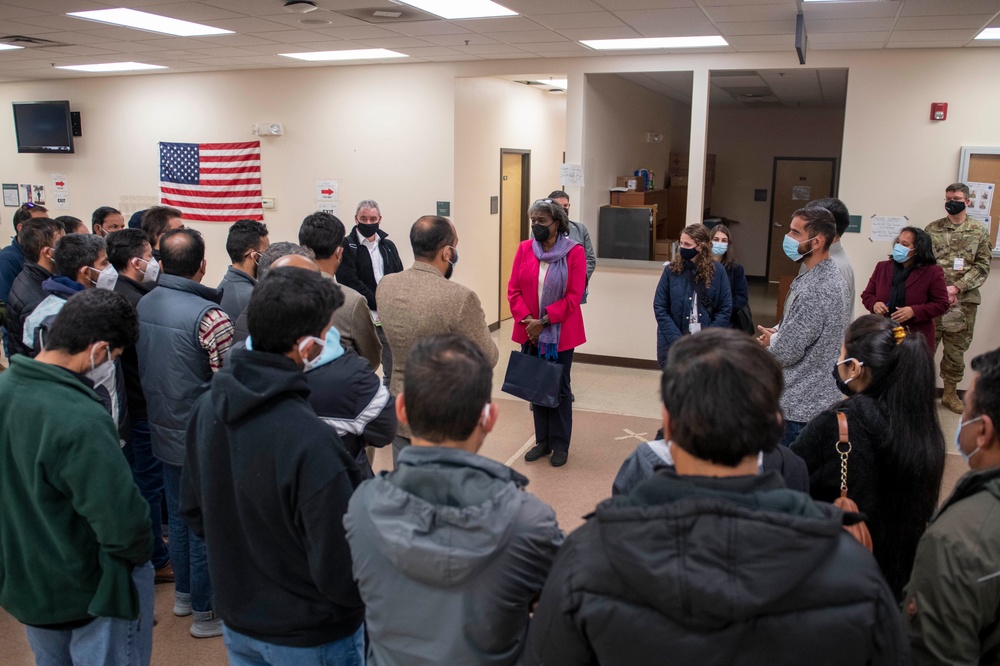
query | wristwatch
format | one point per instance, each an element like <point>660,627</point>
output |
<point>545,321</point>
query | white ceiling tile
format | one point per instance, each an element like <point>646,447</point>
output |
<point>619,5</point>
<point>366,32</point>
<point>58,6</point>
<point>505,24</point>
<point>584,20</point>
<point>817,38</point>
<point>931,36</point>
<point>18,28</point>
<point>562,47</point>
<point>223,52</point>
<point>13,12</point>
<point>757,28</point>
<point>294,20</point>
<point>428,51</point>
<point>569,54</point>
<point>551,6</point>
<point>969,21</point>
<point>782,12</point>
<point>926,45</point>
<point>735,3</point>
<point>424,28</point>
<point>330,45</point>
<point>449,58</point>
<point>248,25</point>
<point>80,51</point>
<point>483,49</point>
<point>668,22</point>
<point>505,56</point>
<point>79,38</point>
<point>949,7</point>
<point>459,40</point>
<point>529,37</point>
<point>60,22</point>
<point>294,36</point>
<point>237,40</point>
<point>578,34</point>
<point>844,46</point>
<point>191,11</point>
<point>849,10</point>
<point>777,42</point>
<point>395,43</point>
<point>849,25</point>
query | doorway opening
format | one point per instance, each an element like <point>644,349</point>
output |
<point>795,182</point>
<point>515,181</point>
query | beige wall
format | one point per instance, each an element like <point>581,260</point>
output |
<point>388,131</point>
<point>745,142</point>
<point>491,114</point>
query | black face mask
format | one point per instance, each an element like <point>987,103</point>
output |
<point>688,253</point>
<point>367,230</point>
<point>540,232</point>
<point>844,387</point>
<point>954,207</point>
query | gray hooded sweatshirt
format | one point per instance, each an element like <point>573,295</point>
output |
<point>449,553</point>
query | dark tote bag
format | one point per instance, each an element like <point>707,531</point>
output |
<point>743,320</point>
<point>534,379</point>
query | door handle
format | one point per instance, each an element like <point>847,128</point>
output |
<point>776,224</point>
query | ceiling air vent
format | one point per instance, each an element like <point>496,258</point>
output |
<point>31,42</point>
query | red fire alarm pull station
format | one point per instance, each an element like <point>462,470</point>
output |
<point>939,110</point>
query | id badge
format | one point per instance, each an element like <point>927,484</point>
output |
<point>694,328</point>
<point>959,264</point>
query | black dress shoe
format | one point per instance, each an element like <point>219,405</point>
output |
<point>558,458</point>
<point>536,452</point>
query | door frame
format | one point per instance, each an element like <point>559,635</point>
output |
<point>774,184</point>
<point>525,196</point>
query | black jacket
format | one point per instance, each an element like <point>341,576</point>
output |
<point>698,570</point>
<point>25,294</point>
<point>267,484</point>
<point>896,515</point>
<point>350,398</point>
<point>133,291</point>
<point>356,267</point>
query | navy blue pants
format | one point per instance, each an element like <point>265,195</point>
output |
<point>554,425</point>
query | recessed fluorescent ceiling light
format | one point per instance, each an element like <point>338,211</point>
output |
<point>353,54</point>
<point>461,9</point>
<point>655,43</point>
<point>989,33</point>
<point>131,18</point>
<point>5,47</point>
<point>111,67</point>
<point>555,83</point>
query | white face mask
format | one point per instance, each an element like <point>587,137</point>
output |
<point>309,364</point>
<point>107,278</point>
<point>151,273</point>
<point>102,373</point>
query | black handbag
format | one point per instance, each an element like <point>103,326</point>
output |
<point>534,379</point>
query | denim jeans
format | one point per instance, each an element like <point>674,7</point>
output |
<point>246,651</point>
<point>187,551</point>
<point>105,641</point>
<point>792,430</point>
<point>147,472</point>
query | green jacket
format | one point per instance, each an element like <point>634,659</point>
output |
<point>72,522</point>
<point>969,241</point>
<point>951,606</point>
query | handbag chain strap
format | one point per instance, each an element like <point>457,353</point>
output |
<point>843,450</point>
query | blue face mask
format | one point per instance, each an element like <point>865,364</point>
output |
<point>791,248</point>
<point>900,253</point>
<point>958,433</point>
<point>719,249</point>
<point>332,350</point>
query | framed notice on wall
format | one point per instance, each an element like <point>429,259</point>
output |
<point>979,167</point>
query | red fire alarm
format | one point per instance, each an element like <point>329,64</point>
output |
<point>939,110</point>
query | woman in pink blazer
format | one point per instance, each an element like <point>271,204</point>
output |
<point>544,291</point>
<point>910,287</point>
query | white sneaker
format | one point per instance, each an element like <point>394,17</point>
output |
<point>182,604</point>
<point>206,626</point>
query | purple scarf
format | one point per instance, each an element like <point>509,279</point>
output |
<point>553,289</point>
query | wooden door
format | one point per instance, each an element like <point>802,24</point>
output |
<point>795,183</point>
<point>513,214</point>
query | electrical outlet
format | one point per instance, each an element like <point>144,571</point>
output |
<point>267,203</point>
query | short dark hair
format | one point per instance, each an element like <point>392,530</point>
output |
<point>429,234</point>
<point>37,233</point>
<point>135,221</point>
<point>818,222</point>
<point>958,187</point>
<point>75,251</point>
<point>99,215</point>
<point>722,390</point>
<point>554,210</point>
<point>289,304</point>
<point>447,382</point>
<point>276,251</point>
<point>125,245</point>
<point>322,233</point>
<point>70,224</point>
<point>923,246</point>
<point>93,315</point>
<point>987,392</point>
<point>181,252</point>
<point>25,210</point>
<point>244,235</point>
<point>558,194</point>
<point>837,208</point>
<point>154,221</point>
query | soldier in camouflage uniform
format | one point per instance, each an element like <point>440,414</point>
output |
<point>962,249</point>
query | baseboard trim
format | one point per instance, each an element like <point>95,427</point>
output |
<point>616,361</point>
<point>494,327</point>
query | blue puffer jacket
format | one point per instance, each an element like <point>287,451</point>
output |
<point>672,305</point>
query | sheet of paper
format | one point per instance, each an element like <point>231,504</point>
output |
<point>571,174</point>
<point>331,207</point>
<point>10,197</point>
<point>886,227</point>
<point>327,190</point>
<point>60,183</point>
<point>62,200</point>
<point>981,203</point>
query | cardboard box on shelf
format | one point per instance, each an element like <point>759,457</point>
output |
<point>631,182</point>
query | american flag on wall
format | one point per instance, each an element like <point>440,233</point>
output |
<point>212,182</point>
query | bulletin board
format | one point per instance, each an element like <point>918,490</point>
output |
<point>979,164</point>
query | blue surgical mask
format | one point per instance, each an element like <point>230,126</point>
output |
<point>791,248</point>
<point>719,249</point>
<point>958,432</point>
<point>332,350</point>
<point>900,253</point>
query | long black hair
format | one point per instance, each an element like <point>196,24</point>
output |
<point>902,381</point>
<point>923,248</point>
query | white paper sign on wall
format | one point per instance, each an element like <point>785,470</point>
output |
<point>327,190</point>
<point>886,227</point>
<point>571,174</point>
<point>331,207</point>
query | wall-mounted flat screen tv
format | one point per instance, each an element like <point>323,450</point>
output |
<point>43,127</point>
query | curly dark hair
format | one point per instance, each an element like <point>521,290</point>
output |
<point>704,263</point>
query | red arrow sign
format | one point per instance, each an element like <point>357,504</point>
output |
<point>321,191</point>
<point>59,183</point>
